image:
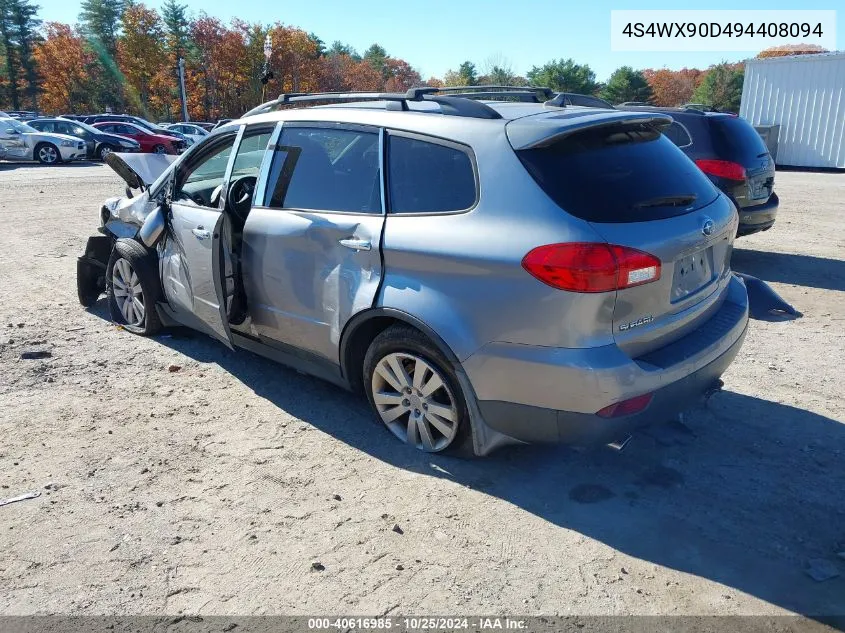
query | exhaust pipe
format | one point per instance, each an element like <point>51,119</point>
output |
<point>715,388</point>
<point>619,445</point>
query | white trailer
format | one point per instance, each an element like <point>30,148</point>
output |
<point>805,96</point>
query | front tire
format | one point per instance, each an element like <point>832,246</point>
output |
<point>413,390</point>
<point>47,154</point>
<point>159,149</point>
<point>132,288</point>
<point>103,151</point>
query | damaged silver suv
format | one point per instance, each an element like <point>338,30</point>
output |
<point>485,272</point>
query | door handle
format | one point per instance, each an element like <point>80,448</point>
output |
<point>201,233</point>
<point>356,245</point>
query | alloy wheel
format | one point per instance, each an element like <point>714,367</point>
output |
<point>414,401</point>
<point>128,293</point>
<point>48,154</point>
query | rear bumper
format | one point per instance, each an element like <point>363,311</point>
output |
<point>759,217</point>
<point>551,395</point>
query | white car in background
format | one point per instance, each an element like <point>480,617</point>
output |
<point>19,141</point>
<point>193,132</point>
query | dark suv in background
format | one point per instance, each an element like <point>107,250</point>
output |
<point>731,152</point>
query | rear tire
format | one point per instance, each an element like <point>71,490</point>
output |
<point>414,391</point>
<point>132,287</point>
<point>47,154</point>
<point>159,149</point>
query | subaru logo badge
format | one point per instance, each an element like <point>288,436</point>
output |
<point>708,226</point>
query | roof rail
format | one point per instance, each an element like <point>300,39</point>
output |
<point>450,105</point>
<point>548,93</point>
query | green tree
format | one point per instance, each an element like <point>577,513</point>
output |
<point>339,48</point>
<point>376,56</point>
<point>7,35</point>
<point>100,22</point>
<point>100,19</point>
<point>319,44</point>
<point>564,75</point>
<point>468,74</point>
<point>177,27</point>
<point>26,25</point>
<point>721,87</point>
<point>626,84</point>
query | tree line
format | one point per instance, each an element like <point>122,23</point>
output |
<point>123,55</point>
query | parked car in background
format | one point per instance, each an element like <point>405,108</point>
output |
<point>143,123</point>
<point>75,117</point>
<point>733,155</point>
<point>192,131</point>
<point>19,141</point>
<point>23,115</point>
<point>586,292</point>
<point>148,141</point>
<point>204,125</point>
<point>98,144</point>
<point>221,122</point>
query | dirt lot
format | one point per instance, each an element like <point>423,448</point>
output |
<point>214,488</point>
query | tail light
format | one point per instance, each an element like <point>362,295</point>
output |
<point>591,267</point>
<point>626,407</point>
<point>722,168</point>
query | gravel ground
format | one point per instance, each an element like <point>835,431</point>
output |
<point>217,488</point>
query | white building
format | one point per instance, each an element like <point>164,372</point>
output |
<point>805,96</point>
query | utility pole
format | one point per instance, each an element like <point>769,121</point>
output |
<point>182,96</point>
<point>266,74</point>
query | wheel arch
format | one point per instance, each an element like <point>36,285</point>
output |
<point>361,329</point>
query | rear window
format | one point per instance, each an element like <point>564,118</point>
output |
<point>735,139</point>
<point>619,173</point>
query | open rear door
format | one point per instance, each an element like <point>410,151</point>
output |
<point>199,232</point>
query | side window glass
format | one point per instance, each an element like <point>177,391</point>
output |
<point>427,177</point>
<point>251,152</point>
<point>325,169</point>
<point>677,134</point>
<point>198,180</point>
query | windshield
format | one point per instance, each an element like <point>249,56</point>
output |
<point>85,126</point>
<point>23,128</point>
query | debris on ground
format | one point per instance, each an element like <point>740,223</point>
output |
<point>35,354</point>
<point>397,529</point>
<point>23,497</point>
<point>174,368</point>
<point>318,566</point>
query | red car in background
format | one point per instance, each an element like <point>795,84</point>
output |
<point>150,143</point>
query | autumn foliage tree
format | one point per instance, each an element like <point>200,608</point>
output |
<point>64,62</point>
<point>673,87</point>
<point>791,49</point>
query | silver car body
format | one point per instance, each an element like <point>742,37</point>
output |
<point>19,142</point>
<point>536,363</point>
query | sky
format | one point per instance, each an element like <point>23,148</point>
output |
<point>437,35</point>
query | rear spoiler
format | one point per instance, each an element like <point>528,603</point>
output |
<point>542,130</point>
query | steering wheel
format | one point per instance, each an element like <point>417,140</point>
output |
<point>239,198</point>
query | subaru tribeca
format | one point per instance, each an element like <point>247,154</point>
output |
<point>486,273</point>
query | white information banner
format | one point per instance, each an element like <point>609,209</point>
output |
<point>747,31</point>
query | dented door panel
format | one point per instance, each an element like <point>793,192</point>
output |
<point>302,283</point>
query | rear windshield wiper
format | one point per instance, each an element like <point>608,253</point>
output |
<point>667,201</point>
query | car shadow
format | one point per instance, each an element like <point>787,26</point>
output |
<point>747,492</point>
<point>6,165</point>
<point>788,268</point>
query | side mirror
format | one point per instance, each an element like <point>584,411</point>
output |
<point>11,130</point>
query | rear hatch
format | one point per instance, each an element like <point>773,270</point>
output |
<point>638,190</point>
<point>735,140</point>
